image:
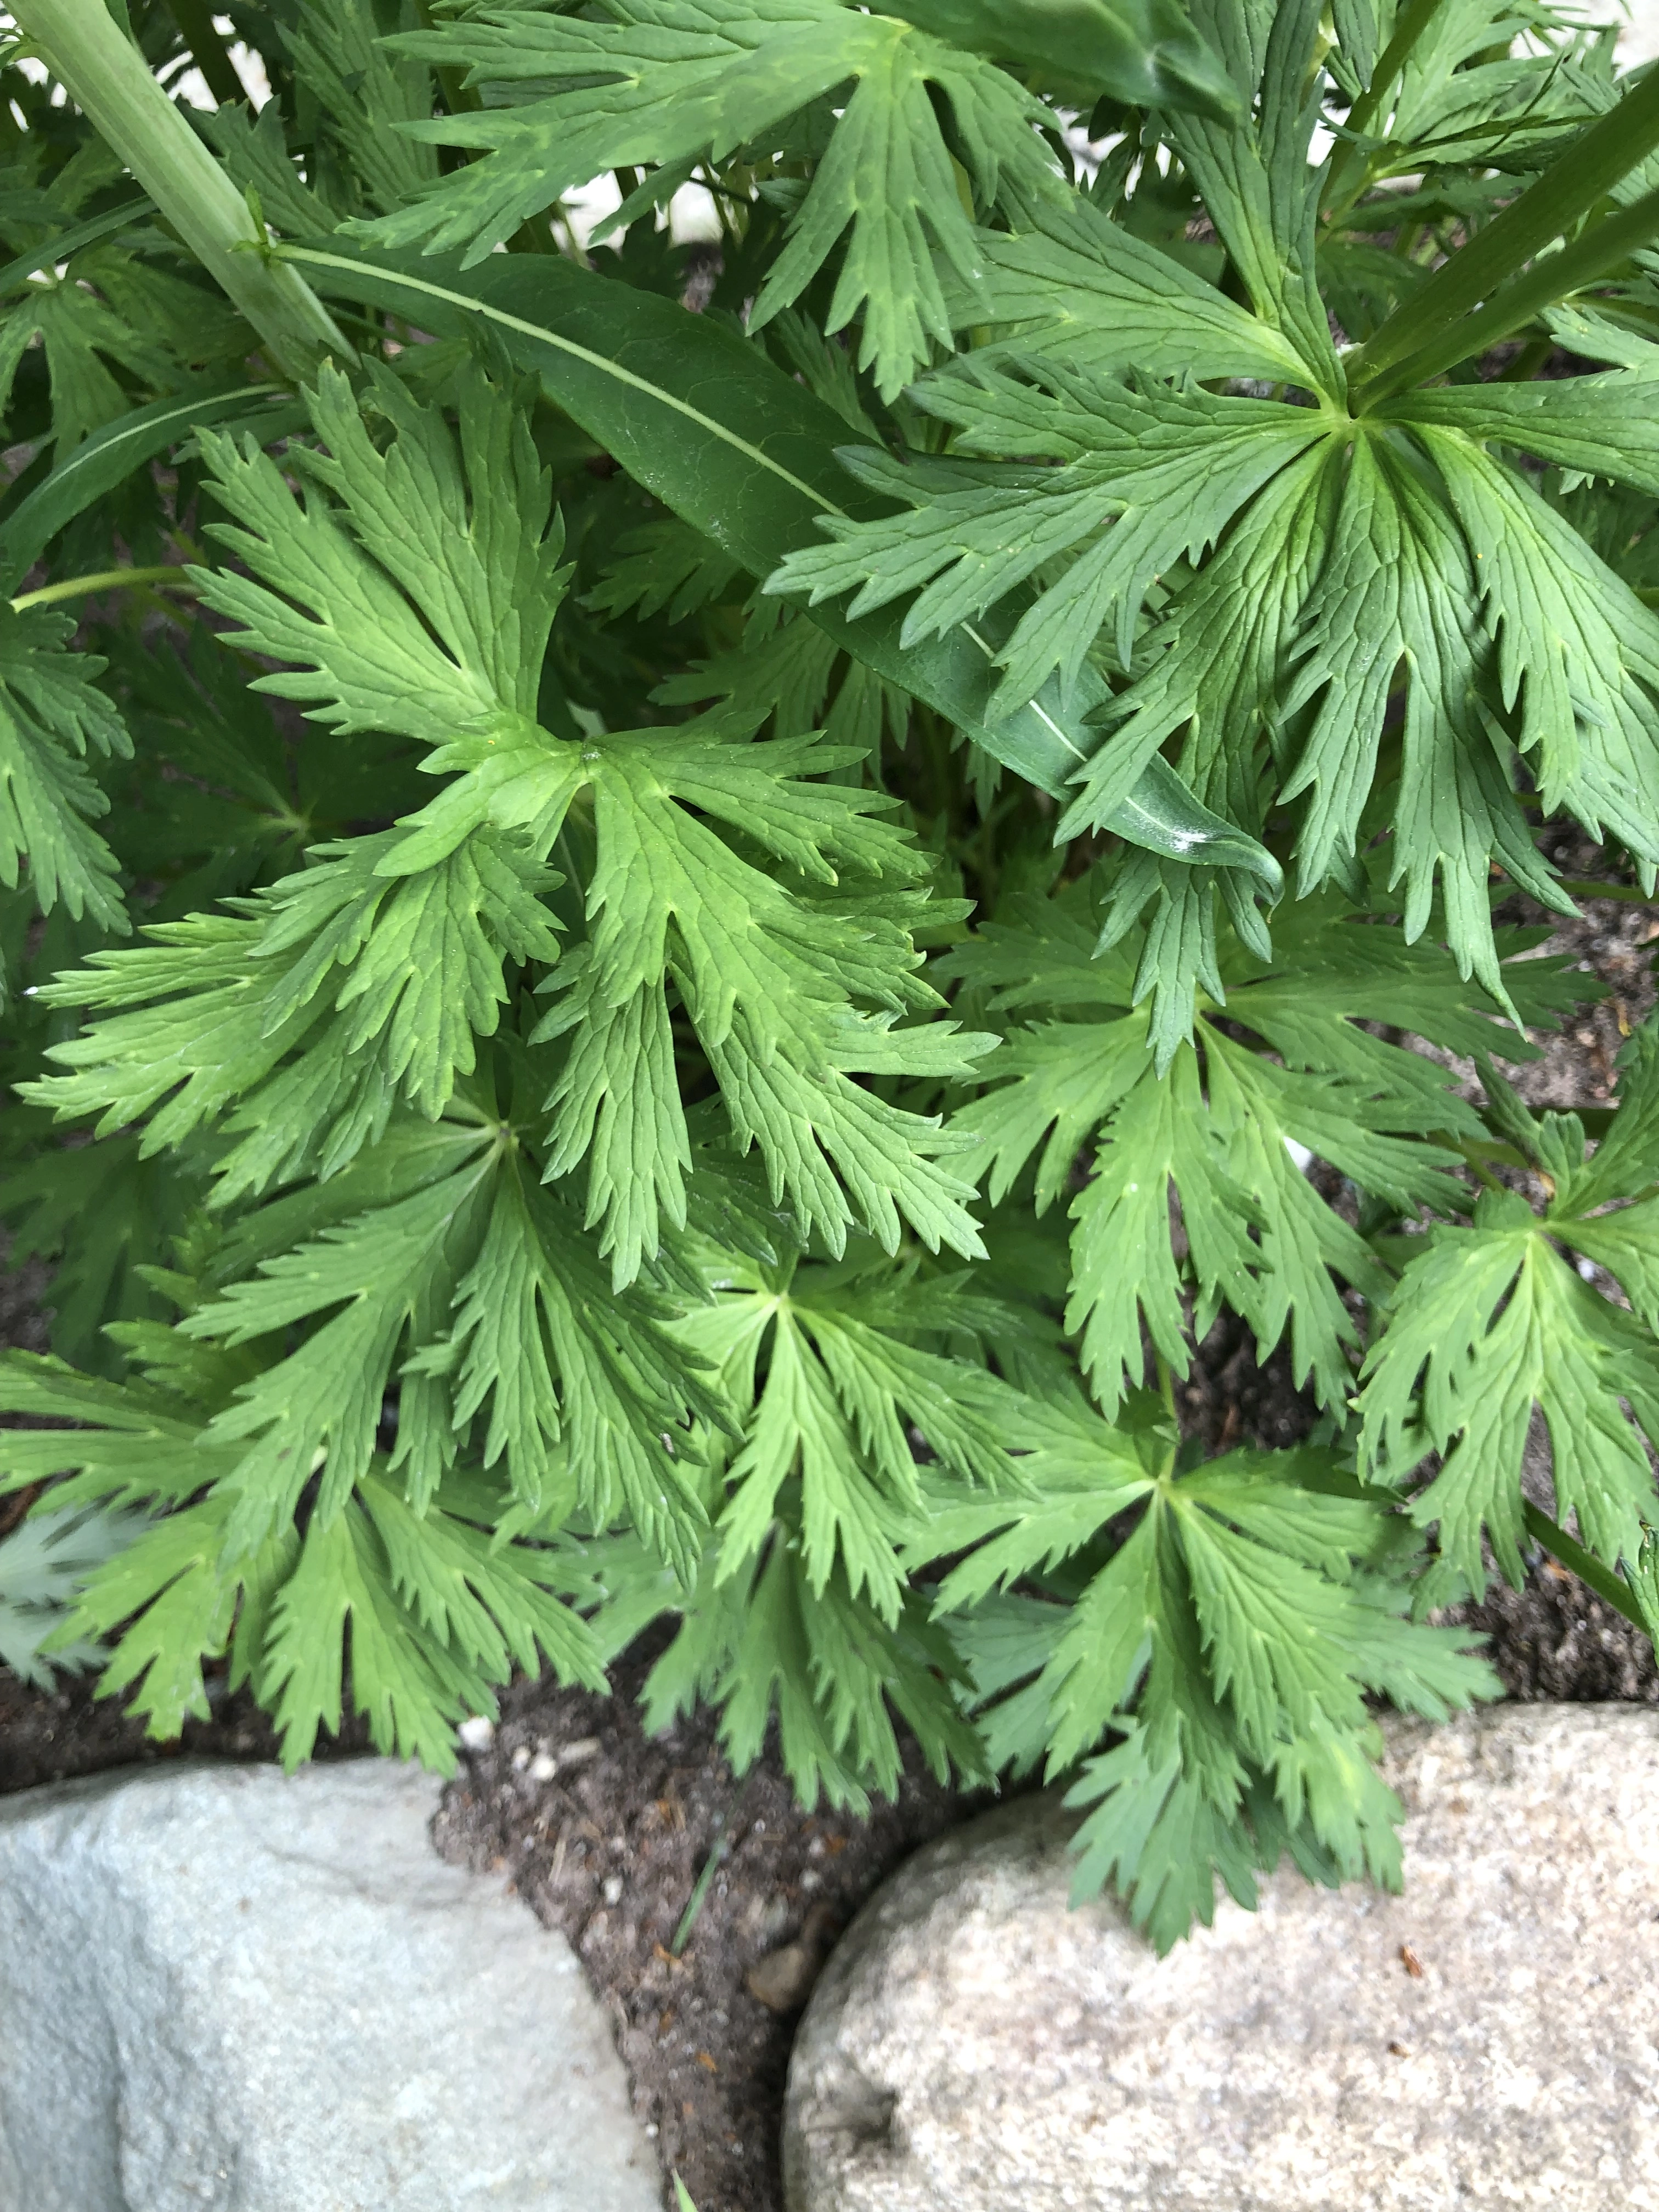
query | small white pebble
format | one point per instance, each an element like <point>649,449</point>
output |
<point>578,1753</point>
<point>520,1760</point>
<point>650,2129</point>
<point>613,1889</point>
<point>542,1767</point>
<point>476,1734</point>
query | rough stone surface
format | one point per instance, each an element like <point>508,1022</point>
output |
<point>224,1990</point>
<point>1490,2038</point>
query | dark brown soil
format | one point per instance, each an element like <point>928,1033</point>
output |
<point>1553,1638</point>
<point>51,1736</point>
<point>608,1846</point>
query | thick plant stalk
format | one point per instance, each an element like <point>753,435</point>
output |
<point>106,76</point>
<point>1585,173</point>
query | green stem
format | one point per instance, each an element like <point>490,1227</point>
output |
<point>208,51</point>
<point>1556,276</point>
<point>107,580</point>
<point>1528,362</point>
<point>1589,1569</point>
<point>717,1851</point>
<point>11,138</point>
<point>107,77</point>
<point>1477,1166</point>
<point>1572,185</point>
<point>1166,1385</point>
<point>1364,112</point>
<point>459,97</point>
<point>1574,888</point>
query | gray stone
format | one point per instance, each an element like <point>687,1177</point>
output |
<point>226,1990</point>
<point>1490,2038</point>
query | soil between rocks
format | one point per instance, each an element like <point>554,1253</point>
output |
<point>605,1831</point>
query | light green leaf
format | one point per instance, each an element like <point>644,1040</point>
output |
<point>734,446</point>
<point>52,719</point>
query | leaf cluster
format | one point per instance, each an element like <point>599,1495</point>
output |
<point>681,916</point>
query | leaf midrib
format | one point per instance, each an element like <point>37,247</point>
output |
<point>602,361</point>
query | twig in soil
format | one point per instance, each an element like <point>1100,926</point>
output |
<point>717,1851</point>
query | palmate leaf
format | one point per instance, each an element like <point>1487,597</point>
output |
<point>1494,1320</point>
<point>1399,583</point>
<point>567,1347</point>
<point>1394,544</point>
<point>771,978</point>
<point>427,614</point>
<point>423,1282</point>
<point>438,1618</point>
<point>1578,652</point>
<point>1335,569</point>
<point>1217,1127</point>
<point>1166,470</point>
<point>800,1614</point>
<point>439,1613</point>
<point>420,603</point>
<point>663,81</point>
<point>589,1391</point>
<point>823,1670</point>
<point>326,1000</point>
<point>380,967</point>
<point>1227,1640</point>
<point>724,438</point>
<point>822,1369</point>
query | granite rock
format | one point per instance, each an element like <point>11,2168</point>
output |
<point>1490,2038</point>
<point>227,1991</point>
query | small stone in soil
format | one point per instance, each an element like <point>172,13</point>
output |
<point>783,1980</point>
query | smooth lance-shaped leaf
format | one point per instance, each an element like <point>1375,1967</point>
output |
<point>51,251</point>
<point>107,458</point>
<point>709,427</point>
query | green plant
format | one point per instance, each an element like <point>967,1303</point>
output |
<point>688,951</point>
<point>43,1564</point>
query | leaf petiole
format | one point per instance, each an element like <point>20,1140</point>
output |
<point>1588,1568</point>
<point>105,580</point>
<point>1393,60</point>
